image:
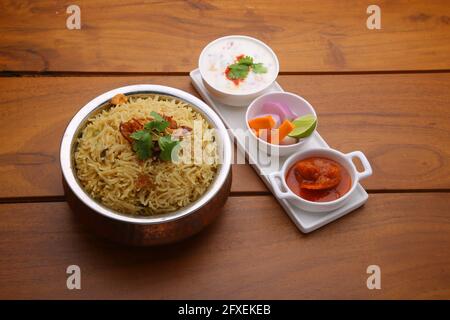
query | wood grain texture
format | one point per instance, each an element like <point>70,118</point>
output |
<point>39,109</point>
<point>167,36</point>
<point>253,251</point>
<point>401,122</point>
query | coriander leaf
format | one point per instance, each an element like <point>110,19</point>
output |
<point>143,149</point>
<point>158,125</point>
<point>247,60</point>
<point>167,145</point>
<point>139,135</point>
<point>158,122</point>
<point>238,71</point>
<point>156,116</point>
<point>143,144</point>
<point>259,68</point>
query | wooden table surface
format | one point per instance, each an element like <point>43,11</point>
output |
<point>385,92</point>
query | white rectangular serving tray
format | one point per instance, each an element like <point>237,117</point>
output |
<point>234,118</point>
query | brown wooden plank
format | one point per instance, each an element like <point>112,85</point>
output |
<point>401,122</point>
<point>38,110</point>
<point>167,36</point>
<point>252,251</point>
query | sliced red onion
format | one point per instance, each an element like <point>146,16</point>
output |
<point>283,111</point>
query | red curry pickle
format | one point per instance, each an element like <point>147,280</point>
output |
<point>318,179</point>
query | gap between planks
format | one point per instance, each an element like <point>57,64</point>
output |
<point>14,74</point>
<point>12,200</point>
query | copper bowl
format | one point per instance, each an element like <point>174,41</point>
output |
<point>139,230</point>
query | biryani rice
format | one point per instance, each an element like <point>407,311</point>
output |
<point>108,168</point>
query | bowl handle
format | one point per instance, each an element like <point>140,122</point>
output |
<point>273,177</point>
<point>367,168</point>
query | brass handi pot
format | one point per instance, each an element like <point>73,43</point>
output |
<point>140,230</point>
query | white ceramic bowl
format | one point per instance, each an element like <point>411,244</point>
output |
<point>296,103</point>
<point>281,189</point>
<point>236,99</point>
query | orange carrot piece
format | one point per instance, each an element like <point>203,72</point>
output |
<point>285,128</point>
<point>266,122</point>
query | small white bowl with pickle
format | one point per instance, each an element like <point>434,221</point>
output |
<point>319,179</point>
<point>280,122</point>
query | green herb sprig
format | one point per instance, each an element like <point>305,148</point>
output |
<point>143,139</point>
<point>142,144</point>
<point>241,69</point>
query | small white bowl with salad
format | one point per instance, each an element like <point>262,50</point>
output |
<point>281,122</point>
<point>237,69</point>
